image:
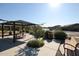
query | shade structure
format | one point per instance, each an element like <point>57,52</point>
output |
<point>20,23</point>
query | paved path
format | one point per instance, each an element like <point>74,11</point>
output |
<point>49,49</point>
<point>14,50</point>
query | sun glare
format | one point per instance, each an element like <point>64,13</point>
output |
<point>55,5</point>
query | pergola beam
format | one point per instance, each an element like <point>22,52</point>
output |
<point>2,31</point>
<point>22,30</point>
<point>13,24</point>
<point>14,37</point>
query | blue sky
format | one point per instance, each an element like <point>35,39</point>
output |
<point>66,13</point>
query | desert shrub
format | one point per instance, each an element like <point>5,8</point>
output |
<point>39,33</point>
<point>31,32</point>
<point>49,35</point>
<point>35,43</point>
<point>60,35</point>
<point>41,43</point>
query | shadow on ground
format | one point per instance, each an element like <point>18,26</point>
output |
<point>59,41</point>
<point>7,44</point>
<point>26,51</point>
<point>58,53</point>
<point>49,40</point>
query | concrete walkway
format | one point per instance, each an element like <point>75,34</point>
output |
<point>14,50</point>
<point>49,49</point>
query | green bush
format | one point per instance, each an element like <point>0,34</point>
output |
<point>39,33</point>
<point>49,35</point>
<point>35,43</point>
<point>60,35</point>
<point>31,32</point>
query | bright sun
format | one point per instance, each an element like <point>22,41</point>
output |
<point>54,4</point>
